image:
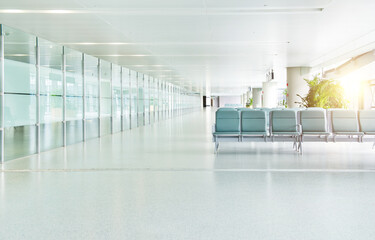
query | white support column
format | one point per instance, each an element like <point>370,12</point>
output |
<point>257,97</point>
<point>296,84</point>
<point>269,94</point>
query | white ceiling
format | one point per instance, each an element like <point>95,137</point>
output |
<point>223,45</point>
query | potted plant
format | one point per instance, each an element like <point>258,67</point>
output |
<point>324,93</point>
<point>284,102</point>
<point>249,102</point>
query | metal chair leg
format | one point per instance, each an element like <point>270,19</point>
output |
<point>300,145</point>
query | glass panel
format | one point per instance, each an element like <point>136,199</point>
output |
<point>19,63</point>
<point>51,81</point>
<point>19,110</point>
<point>92,107</point>
<point>50,67</point>
<point>91,88</point>
<point>105,126</point>
<point>74,106</point>
<point>19,142</point>
<point>19,46</point>
<point>116,124</point>
<point>91,76</point>
<point>51,109</point>
<point>140,119</point>
<point>152,94</point>
<point>116,100</point>
<point>105,79</point>
<point>140,94</point>
<point>134,99</point>
<point>146,93</point>
<point>19,77</point>
<point>51,136</point>
<point>116,86</point>
<point>73,74</point>
<point>105,89</point>
<point>74,132</point>
<point>105,107</point>
<point>92,128</point>
<point>126,98</point>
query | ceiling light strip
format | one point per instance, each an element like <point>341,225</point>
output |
<point>167,11</point>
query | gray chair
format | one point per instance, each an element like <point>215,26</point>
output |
<point>367,123</point>
<point>227,126</point>
<point>253,124</point>
<point>284,126</point>
<point>345,123</point>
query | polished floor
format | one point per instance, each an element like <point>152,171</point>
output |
<point>163,181</point>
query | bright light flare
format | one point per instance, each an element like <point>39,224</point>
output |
<point>352,89</point>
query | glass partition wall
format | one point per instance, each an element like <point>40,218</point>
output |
<point>116,99</point>
<point>74,93</point>
<point>53,96</point>
<point>105,94</point>
<point>126,98</point>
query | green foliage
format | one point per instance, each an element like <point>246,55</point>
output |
<point>249,102</point>
<point>324,93</point>
<point>284,102</point>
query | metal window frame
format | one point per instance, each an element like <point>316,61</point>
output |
<point>83,98</point>
<point>64,94</point>
<point>2,80</point>
<point>37,65</point>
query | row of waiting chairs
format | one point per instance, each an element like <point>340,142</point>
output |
<point>293,125</point>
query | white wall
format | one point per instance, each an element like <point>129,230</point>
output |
<point>230,101</point>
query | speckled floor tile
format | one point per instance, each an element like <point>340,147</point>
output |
<point>164,182</point>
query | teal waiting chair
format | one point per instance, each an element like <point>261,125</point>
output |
<point>284,127</point>
<point>367,124</point>
<point>227,126</point>
<point>345,123</point>
<point>253,125</point>
<point>313,126</point>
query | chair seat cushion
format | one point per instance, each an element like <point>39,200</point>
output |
<point>348,133</point>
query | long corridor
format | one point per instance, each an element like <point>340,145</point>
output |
<point>163,181</point>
